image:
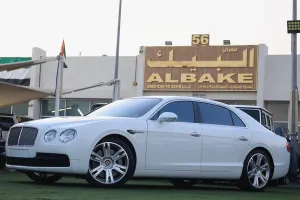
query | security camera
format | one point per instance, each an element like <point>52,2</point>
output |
<point>141,49</point>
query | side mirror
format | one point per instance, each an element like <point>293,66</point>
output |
<point>167,117</point>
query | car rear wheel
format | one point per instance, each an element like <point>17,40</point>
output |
<point>43,178</point>
<point>180,183</point>
<point>111,163</point>
<point>257,171</point>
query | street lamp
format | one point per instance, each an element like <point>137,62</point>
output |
<point>116,90</point>
<point>168,43</point>
<point>226,42</point>
<point>293,27</point>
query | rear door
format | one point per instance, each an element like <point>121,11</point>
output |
<point>225,138</point>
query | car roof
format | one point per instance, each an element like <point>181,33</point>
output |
<point>253,106</point>
<point>248,119</point>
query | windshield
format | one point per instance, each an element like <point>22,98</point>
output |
<point>253,113</point>
<point>133,108</point>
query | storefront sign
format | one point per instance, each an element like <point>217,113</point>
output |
<point>201,68</point>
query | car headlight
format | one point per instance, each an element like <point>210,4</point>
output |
<point>67,135</point>
<point>50,135</point>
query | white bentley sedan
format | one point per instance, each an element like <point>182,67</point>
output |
<point>182,139</point>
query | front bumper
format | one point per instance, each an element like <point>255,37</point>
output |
<point>64,158</point>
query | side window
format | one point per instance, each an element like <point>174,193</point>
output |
<point>213,114</point>
<point>183,109</point>
<point>268,121</point>
<point>236,120</point>
<point>263,119</point>
<point>6,123</point>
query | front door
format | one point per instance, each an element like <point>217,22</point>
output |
<point>174,145</point>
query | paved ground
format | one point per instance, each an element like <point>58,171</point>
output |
<point>15,186</point>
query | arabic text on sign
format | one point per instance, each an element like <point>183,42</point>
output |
<point>201,63</point>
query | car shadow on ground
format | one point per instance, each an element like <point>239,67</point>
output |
<point>149,187</point>
<point>132,186</point>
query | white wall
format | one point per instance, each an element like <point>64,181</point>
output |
<point>86,71</point>
<point>278,77</point>
<point>34,105</point>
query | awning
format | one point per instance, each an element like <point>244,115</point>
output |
<point>11,94</point>
<point>19,65</point>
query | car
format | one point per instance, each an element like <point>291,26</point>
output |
<point>7,120</point>
<point>178,138</point>
<point>260,114</point>
<point>2,151</point>
<point>97,105</point>
<point>281,131</point>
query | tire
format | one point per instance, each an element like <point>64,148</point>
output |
<point>273,183</point>
<point>257,171</point>
<point>43,178</point>
<point>113,169</point>
<point>181,183</point>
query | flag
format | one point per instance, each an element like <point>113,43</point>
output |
<point>63,49</point>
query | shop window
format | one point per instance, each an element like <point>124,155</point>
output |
<point>48,107</point>
<point>20,109</point>
<point>77,107</point>
<point>6,110</point>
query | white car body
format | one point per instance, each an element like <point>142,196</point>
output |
<point>166,150</point>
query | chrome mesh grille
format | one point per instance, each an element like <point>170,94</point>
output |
<point>22,136</point>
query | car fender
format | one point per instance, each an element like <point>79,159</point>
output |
<point>112,132</point>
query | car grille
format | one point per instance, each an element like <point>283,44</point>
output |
<point>22,136</point>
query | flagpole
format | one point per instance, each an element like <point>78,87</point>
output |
<point>116,90</point>
<point>58,85</point>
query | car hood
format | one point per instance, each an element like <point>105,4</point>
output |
<point>55,121</point>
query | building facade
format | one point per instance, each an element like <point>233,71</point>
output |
<point>243,74</point>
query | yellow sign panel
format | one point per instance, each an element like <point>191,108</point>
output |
<point>208,68</point>
<point>200,39</point>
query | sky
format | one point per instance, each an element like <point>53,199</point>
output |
<point>90,26</point>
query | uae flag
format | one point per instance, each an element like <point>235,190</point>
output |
<point>18,76</point>
<point>63,49</point>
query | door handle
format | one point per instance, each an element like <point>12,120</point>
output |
<point>195,134</point>
<point>243,138</point>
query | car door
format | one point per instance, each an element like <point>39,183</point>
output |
<point>175,145</point>
<point>225,138</point>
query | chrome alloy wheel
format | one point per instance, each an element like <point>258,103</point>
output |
<point>258,170</point>
<point>109,163</point>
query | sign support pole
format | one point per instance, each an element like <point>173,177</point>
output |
<point>294,103</point>
<point>116,90</point>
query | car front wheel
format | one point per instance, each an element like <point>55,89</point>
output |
<point>111,163</point>
<point>257,171</point>
<point>43,178</point>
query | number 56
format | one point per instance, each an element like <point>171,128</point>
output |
<point>199,39</point>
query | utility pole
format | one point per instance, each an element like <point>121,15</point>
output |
<point>293,29</point>
<point>116,91</point>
